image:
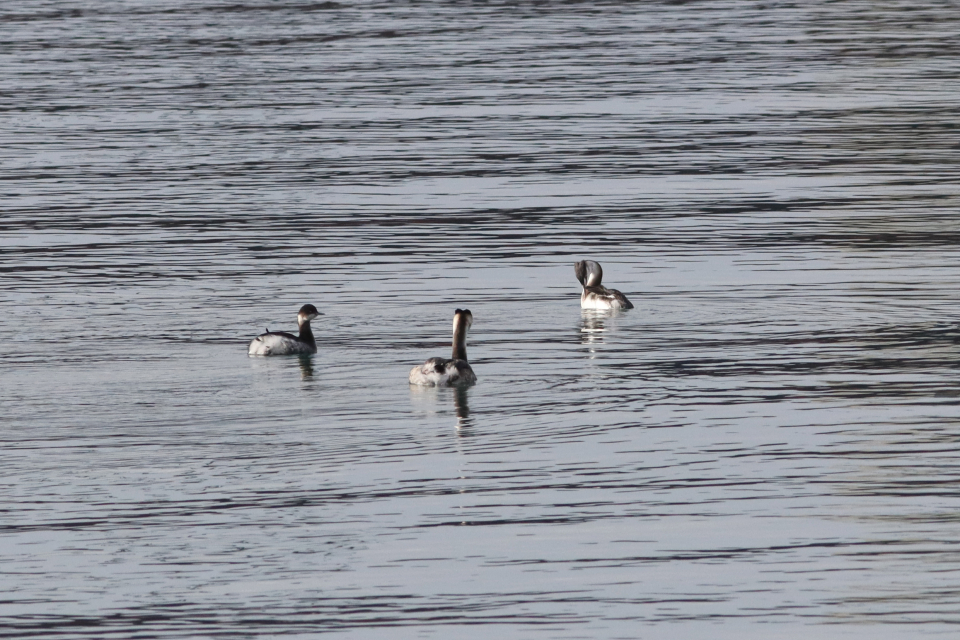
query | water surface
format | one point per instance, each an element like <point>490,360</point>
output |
<point>767,446</point>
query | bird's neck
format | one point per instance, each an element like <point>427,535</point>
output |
<point>460,342</point>
<point>306,334</point>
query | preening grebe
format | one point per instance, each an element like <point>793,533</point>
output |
<point>440,371</point>
<point>281,343</point>
<point>595,295</point>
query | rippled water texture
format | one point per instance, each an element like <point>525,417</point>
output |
<point>767,446</point>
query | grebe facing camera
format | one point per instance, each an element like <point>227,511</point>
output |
<point>437,372</point>
<point>595,295</point>
<point>281,343</point>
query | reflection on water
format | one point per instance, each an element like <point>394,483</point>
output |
<point>442,401</point>
<point>593,325</point>
<point>306,366</point>
<point>766,446</point>
<point>464,421</point>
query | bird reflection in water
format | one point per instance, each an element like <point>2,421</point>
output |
<point>436,400</point>
<point>464,421</point>
<point>593,325</point>
<point>306,367</point>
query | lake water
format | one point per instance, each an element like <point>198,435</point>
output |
<point>767,446</point>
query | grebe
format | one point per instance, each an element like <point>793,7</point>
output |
<point>437,372</point>
<point>281,343</point>
<point>595,295</point>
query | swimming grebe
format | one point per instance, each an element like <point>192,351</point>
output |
<point>281,343</point>
<point>437,372</point>
<point>595,295</point>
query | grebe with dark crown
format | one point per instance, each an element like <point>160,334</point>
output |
<point>595,295</point>
<point>437,372</point>
<point>281,343</point>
